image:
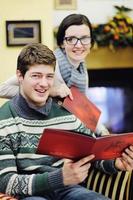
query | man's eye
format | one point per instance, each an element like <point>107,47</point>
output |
<point>50,77</point>
<point>35,76</point>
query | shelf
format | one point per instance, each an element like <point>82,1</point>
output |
<point>103,57</point>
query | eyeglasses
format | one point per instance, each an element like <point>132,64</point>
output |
<point>74,40</point>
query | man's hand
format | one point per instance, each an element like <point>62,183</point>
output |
<point>76,172</point>
<point>125,162</point>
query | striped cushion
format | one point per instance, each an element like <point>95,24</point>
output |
<point>116,186</point>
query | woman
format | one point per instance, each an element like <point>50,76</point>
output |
<point>74,40</point>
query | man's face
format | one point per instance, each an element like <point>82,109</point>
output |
<point>36,84</point>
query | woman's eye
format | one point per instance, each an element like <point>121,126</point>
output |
<point>70,39</point>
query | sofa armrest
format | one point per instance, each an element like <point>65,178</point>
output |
<point>6,197</point>
<point>117,186</point>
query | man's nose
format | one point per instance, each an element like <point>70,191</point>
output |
<point>43,81</point>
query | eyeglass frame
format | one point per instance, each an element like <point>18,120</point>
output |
<point>78,39</point>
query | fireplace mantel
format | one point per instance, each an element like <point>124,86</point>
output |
<point>103,57</point>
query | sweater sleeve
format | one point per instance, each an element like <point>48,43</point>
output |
<point>101,130</point>
<point>14,182</point>
<point>106,166</point>
<point>9,88</point>
<point>58,78</point>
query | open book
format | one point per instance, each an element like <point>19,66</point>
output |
<point>82,108</point>
<point>67,144</point>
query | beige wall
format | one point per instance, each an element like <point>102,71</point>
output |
<point>22,10</point>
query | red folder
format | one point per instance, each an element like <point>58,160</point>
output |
<point>72,145</point>
<point>83,108</point>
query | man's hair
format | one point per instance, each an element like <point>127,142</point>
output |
<point>73,19</point>
<point>35,53</point>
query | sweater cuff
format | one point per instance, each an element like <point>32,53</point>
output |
<point>107,166</point>
<point>55,179</point>
<point>40,184</point>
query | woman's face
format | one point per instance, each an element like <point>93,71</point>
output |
<point>77,50</point>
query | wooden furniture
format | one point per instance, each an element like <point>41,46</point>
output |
<point>117,186</point>
<point>104,58</point>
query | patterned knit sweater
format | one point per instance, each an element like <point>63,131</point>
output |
<point>22,171</point>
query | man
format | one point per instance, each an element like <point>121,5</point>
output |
<point>25,174</point>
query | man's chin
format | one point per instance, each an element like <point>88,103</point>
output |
<point>39,101</point>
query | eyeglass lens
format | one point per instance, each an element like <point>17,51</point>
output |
<point>74,40</point>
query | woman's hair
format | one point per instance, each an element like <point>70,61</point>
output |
<point>73,19</point>
<point>35,53</point>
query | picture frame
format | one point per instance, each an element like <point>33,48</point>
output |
<point>65,4</point>
<point>20,33</point>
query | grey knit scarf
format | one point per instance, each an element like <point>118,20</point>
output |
<point>71,75</point>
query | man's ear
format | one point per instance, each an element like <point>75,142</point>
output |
<point>19,76</point>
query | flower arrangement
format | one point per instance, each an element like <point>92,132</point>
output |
<point>117,32</point>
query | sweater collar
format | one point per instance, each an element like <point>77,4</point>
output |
<point>29,111</point>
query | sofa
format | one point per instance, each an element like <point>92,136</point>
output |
<point>117,186</point>
<point>6,197</point>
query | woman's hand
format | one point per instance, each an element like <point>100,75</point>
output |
<point>61,90</point>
